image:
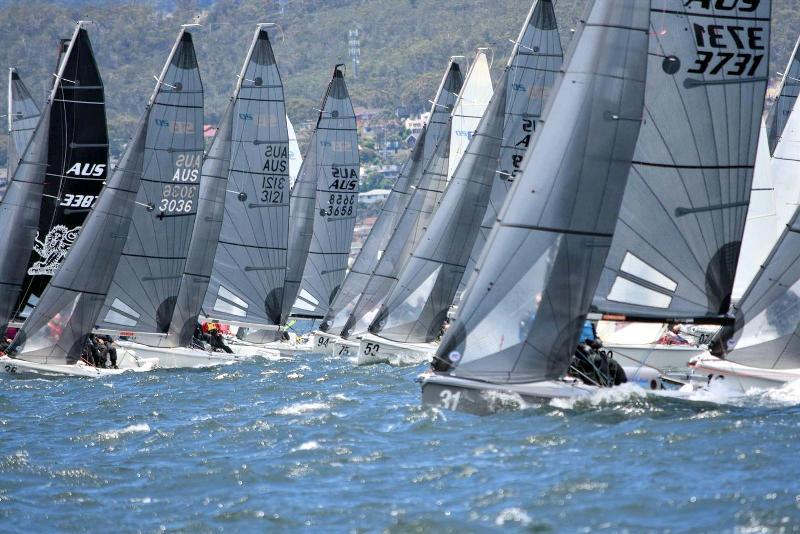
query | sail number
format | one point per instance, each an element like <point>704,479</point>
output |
<point>726,43</point>
<point>449,399</point>
<point>272,189</point>
<point>340,205</point>
<point>519,149</point>
<point>177,198</point>
<point>78,201</point>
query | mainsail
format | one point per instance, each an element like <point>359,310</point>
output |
<point>250,264</point>
<point>57,330</point>
<point>23,115</point>
<point>532,68</point>
<point>416,215</point>
<point>327,190</point>
<point>391,211</point>
<point>523,313</point>
<point>20,209</point>
<point>144,290</point>
<point>677,242</point>
<point>76,165</point>
<point>469,108</point>
<point>417,307</point>
<point>781,110</point>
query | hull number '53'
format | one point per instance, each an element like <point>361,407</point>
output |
<point>371,349</point>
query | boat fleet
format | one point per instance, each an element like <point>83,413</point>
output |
<point>628,180</point>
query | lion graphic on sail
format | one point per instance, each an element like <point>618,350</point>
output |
<point>53,249</point>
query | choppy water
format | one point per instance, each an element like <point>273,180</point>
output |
<point>318,444</point>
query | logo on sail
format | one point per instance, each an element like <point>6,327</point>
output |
<point>53,249</point>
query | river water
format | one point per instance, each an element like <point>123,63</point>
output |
<point>317,444</point>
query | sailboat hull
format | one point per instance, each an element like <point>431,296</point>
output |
<point>483,398</point>
<point>127,362</point>
<point>180,357</point>
<point>661,357</point>
<point>324,342</point>
<point>271,350</point>
<point>345,348</point>
<point>743,376</point>
<point>373,349</point>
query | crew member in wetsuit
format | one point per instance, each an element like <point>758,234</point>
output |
<point>218,342</point>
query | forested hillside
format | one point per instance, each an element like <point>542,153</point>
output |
<point>404,44</point>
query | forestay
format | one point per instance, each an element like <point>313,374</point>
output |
<point>374,246</point>
<point>417,307</point>
<point>21,206</point>
<point>57,330</point>
<point>250,263</point>
<point>524,310</point>
<point>23,115</point>
<point>677,242</point>
<point>144,290</point>
<point>417,214</point>
<point>76,166</point>
<point>323,209</point>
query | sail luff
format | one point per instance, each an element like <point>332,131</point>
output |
<point>23,115</point>
<point>523,313</point>
<point>783,106</point>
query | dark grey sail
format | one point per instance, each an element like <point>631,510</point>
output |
<point>23,115</point>
<point>782,107</point>
<point>677,242</point>
<point>77,165</point>
<point>323,206</point>
<point>246,284</point>
<point>532,68</point>
<point>416,309</point>
<point>336,205</point>
<point>419,208</point>
<point>391,211</point>
<point>522,314</point>
<point>57,329</point>
<point>144,291</point>
<point>21,207</point>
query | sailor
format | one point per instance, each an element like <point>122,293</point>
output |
<point>217,341</point>
<point>105,345</point>
<point>673,336</point>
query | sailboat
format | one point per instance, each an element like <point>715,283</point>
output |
<point>144,305</point>
<point>322,212</point>
<point>418,306</point>
<point>59,174</point>
<point>373,251</point>
<point>678,243</point>
<point>523,310</point>
<point>23,115</point>
<point>52,339</point>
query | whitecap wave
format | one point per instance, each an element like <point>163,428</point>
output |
<point>131,429</point>
<point>302,407</point>
<point>615,395</point>
<point>307,446</point>
<point>513,515</point>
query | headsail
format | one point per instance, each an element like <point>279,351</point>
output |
<point>678,239</point>
<point>532,68</point>
<point>21,208</point>
<point>391,211</point>
<point>332,165</point>
<point>76,165</point>
<point>418,211</point>
<point>295,157</point>
<point>524,310</point>
<point>144,291</point>
<point>250,264</point>
<point>23,115</point>
<point>57,330</point>
<point>781,110</point>
<point>417,307</point>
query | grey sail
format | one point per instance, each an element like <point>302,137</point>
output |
<point>23,115</point>
<point>677,242</point>
<point>21,207</point>
<point>249,268</point>
<point>322,219</point>
<point>532,68</point>
<point>766,332</point>
<point>419,209</point>
<point>523,312</point>
<point>144,290</point>
<point>782,108</point>
<point>391,211</point>
<point>416,309</point>
<point>58,328</point>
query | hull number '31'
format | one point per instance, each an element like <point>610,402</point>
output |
<point>449,399</point>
